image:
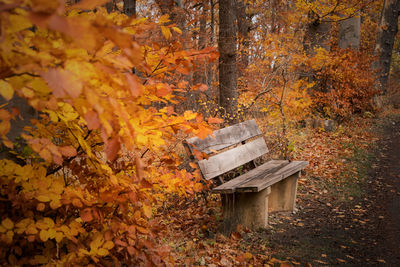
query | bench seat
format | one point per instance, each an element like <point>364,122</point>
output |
<point>261,177</point>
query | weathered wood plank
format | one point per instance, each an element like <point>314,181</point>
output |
<point>262,182</point>
<point>265,169</point>
<point>233,158</point>
<point>225,137</point>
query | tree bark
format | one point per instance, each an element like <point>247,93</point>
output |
<point>350,33</point>
<point>200,73</point>
<point>227,61</point>
<point>130,7</point>
<point>26,113</point>
<point>174,9</point>
<point>243,22</point>
<point>387,31</point>
<point>317,34</point>
<point>212,33</point>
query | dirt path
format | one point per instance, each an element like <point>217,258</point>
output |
<point>363,230</point>
<point>388,192</point>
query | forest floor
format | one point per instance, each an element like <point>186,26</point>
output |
<point>362,229</point>
<point>347,215</point>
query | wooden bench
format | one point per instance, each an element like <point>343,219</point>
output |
<point>248,198</point>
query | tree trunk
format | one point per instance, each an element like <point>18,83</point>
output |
<point>130,7</point>
<point>387,31</point>
<point>212,32</point>
<point>174,8</point>
<point>243,30</point>
<point>26,113</point>
<point>350,33</point>
<point>316,35</point>
<point>227,61</point>
<point>109,6</point>
<point>200,73</point>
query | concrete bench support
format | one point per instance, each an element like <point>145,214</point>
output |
<point>283,194</point>
<point>251,209</point>
<point>247,209</point>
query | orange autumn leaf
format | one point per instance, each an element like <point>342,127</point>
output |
<point>215,120</point>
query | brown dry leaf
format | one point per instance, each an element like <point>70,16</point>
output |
<point>225,262</point>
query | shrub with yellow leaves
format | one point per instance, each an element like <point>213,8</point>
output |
<point>99,154</point>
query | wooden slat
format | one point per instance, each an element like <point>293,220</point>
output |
<point>225,137</point>
<point>265,169</point>
<point>233,158</point>
<point>262,182</point>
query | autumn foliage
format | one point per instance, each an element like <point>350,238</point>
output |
<point>99,157</point>
<point>344,83</point>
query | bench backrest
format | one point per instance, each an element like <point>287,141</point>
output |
<point>232,158</point>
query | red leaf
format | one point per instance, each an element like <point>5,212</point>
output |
<point>201,87</point>
<point>134,85</point>
<point>67,151</point>
<point>131,250</point>
<point>86,215</point>
<point>92,120</point>
<point>139,168</point>
<point>163,90</point>
<point>62,82</point>
<point>112,148</point>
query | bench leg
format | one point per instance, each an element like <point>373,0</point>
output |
<point>247,209</point>
<point>283,194</point>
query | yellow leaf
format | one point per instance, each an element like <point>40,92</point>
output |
<point>7,143</point>
<point>44,235</point>
<point>164,19</point>
<point>248,256</point>
<point>43,198</point>
<point>42,225</point>
<point>166,32</point>
<point>46,155</point>
<point>31,230</point>
<point>49,222</point>
<point>59,236</point>
<point>2,229</point>
<point>52,233</point>
<point>9,235</point>
<point>57,187</point>
<point>55,204</point>
<point>8,224</point>
<point>102,252</point>
<point>23,224</point>
<point>6,90</point>
<point>97,241</point>
<point>40,86</point>
<point>28,92</point>
<point>4,128</point>
<point>108,245</point>
<point>147,211</point>
<point>176,29</point>
<point>53,115</point>
<point>18,23</point>
<point>189,115</point>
